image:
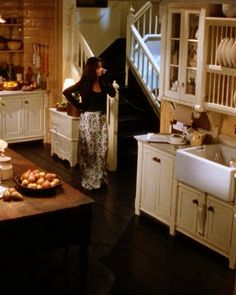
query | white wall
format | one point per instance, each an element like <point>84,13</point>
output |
<point>100,26</point>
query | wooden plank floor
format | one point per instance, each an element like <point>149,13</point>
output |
<point>129,254</point>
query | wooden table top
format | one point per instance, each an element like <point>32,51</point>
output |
<point>65,196</point>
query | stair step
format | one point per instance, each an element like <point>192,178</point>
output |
<point>135,114</point>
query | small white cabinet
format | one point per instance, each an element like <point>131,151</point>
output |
<point>155,182</point>
<point>204,218</point>
<point>22,116</point>
<point>64,136</point>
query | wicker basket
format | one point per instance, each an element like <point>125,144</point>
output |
<point>72,111</point>
<point>61,109</point>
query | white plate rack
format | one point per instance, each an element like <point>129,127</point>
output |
<point>221,74</point>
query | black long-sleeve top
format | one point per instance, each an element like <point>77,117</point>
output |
<point>92,101</point>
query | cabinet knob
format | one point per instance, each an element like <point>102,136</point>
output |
<point>211,209</point>
<point>26,101</point>
<point>155,159</point>
<point>195,201</point>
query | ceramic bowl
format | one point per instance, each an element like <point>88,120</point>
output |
<point>176,138</point>
<point>14,44</point>
<point>229,10</point>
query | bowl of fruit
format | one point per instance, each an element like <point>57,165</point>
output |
<point>38,181</point>
<point>10,85</point>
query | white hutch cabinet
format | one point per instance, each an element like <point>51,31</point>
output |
<point>196,70</point>
<point>22,115</point>
<point>184,51</point>
<point>64,136</point>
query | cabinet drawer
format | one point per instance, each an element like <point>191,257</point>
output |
<point>64,148</point>
<point>64,125</point>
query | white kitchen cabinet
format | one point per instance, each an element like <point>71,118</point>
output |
<point>219,223</point>
<point>191,205</point>
<point>204,218</point>
<point>64,136</point>
<point>155,183</point>
<point>22,116</point>
<point>201,216</point>
<point>184,49</point>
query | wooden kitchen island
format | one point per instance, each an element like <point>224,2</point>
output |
<point>45,222</point>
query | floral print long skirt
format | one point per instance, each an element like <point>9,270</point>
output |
<point>93,148</point>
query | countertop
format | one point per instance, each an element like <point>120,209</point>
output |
<point>165,147</point>
<point>17,92</point>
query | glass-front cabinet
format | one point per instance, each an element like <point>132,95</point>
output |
<point>183,62</point>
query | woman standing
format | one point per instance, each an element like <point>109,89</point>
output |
<point>89,95</point>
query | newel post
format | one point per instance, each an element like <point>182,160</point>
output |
<point>112,123</point>
<point>130,21</point>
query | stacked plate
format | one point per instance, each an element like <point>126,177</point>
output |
<point>226,53</point>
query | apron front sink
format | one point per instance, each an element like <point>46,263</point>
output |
<point>209,168</point>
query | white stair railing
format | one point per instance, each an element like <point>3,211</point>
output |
<point>80,52</point>
<point>140,27</point>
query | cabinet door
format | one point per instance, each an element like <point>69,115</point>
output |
<point>157,184</point>
<point>33,115</point>
<point>182,49</point>
<point>191,210</point>
<point>219,224</point>
<point>12,119</point>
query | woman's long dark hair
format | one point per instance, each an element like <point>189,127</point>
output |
<point>89,75</point>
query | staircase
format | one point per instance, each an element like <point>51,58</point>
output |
<point>134,66</point>
<point>135,114</point>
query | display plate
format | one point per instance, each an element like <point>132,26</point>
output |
<point>35,191</point>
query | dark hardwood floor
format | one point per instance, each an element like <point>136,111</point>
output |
<point>128,255</point>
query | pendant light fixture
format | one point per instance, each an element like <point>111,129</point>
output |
<point>2,21</point>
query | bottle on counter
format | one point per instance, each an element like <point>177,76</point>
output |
<point>39,80</point>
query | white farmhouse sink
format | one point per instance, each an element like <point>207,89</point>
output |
<point>207,168</point>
